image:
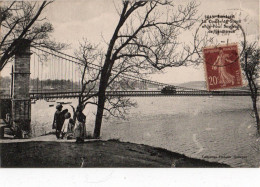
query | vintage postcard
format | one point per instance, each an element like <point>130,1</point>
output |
<point>129,83</point>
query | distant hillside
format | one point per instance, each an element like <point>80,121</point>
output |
<point>194,85</point>
<point>202,86</point>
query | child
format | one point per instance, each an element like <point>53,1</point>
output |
<point>67,129</point>
<point>70,132</point>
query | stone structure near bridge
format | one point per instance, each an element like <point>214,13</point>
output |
<point>21,103</point>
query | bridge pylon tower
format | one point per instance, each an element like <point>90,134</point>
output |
<point>21,103</point>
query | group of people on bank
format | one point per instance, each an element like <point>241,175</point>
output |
<point>67,127</point>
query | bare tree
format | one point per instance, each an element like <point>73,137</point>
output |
<point>251,67</point>
<point>145,39</point>
<point>91,59</point>
<point>23,20</point>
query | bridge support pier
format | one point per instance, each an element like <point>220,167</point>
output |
<point>21,103</point>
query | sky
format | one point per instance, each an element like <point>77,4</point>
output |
<point>97,19</point>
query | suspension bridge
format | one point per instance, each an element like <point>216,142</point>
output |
<point>54,75</point>
<point>40,73</point>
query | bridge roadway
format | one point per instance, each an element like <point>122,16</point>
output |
<point>134,93</point>
<point>148,93</point>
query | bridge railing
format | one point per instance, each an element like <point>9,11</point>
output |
<point>133,93</point>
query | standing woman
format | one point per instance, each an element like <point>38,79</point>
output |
<point>80,127</point>
<point>57,120</point>
<point>220,65</point>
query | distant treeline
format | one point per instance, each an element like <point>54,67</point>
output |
<point>5,83</point>
<point>36,84</point>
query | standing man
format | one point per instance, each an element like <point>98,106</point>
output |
<point>59,118</point>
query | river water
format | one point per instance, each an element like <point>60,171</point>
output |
<point>212,128</point>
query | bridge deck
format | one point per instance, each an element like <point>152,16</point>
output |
<point>75,94</point>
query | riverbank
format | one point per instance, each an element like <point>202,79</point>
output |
<point>46,152</point>
<point>216,129</point>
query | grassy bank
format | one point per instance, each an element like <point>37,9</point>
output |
<point>111,153</point>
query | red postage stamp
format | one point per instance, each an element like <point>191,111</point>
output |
<point>222,67</point>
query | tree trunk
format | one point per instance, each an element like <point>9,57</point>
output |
<point>106,72</point>
<point>100,110</point>
<point>256,115</point>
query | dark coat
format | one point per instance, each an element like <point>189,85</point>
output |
<point>59,118</point>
